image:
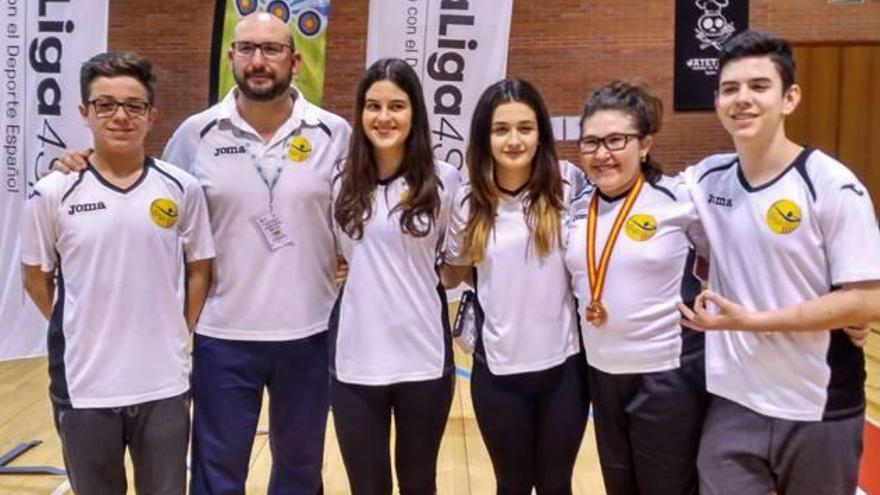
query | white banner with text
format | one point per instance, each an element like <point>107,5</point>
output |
<point>457,47</point>
<point>44,42</point>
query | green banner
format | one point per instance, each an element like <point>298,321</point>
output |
<point>307,20</point>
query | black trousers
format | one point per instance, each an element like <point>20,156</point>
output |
<point>532,424</point>
<point>648,428</point>
<point>362,416</point>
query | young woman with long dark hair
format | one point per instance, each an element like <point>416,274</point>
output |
<point>390,351</point>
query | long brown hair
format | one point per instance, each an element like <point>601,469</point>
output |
<point>543,204</point>
<point>360,176</point>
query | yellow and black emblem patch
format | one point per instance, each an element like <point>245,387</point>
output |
<point>784,216</point>
<point>640,227</point>
<point>164,212</point>
<point>300,149</point>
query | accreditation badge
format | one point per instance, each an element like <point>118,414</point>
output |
<point>272,228</point>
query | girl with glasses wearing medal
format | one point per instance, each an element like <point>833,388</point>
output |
<point>630,251</point>
<point>528,383</point>
<point>390,350</point>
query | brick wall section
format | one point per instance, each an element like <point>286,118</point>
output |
<point>176,36</point>
<point>564,47</point>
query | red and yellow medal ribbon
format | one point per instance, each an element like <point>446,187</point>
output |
<point>598,273</point>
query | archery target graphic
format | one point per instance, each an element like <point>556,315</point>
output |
<point>245,7</point>
<point>308,17</point>
<point>309,23</point>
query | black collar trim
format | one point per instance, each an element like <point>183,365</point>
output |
<point>396,175</point>
<point>515,192</point>
<point>799,161</point>
<point>148,163</point>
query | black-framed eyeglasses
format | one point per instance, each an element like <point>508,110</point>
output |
<point>612,142</point>
<point>106,107</point>
<point>269,49</point>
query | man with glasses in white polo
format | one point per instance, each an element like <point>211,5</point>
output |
<point>264,156</point>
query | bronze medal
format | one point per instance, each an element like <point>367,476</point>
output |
<point>597,315</point>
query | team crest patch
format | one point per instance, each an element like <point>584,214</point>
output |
<point>640,227</point>
<point>299,149</point>
<point>164,212</point>
<point>784,216</point>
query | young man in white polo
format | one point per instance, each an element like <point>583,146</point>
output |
<point>795,257</point>
<point>104,252</point>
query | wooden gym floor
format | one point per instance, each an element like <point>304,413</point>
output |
<point>464,466</point>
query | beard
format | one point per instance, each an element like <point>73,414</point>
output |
<point>278,87</point>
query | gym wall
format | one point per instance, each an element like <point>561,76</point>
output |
<point>564,47</point>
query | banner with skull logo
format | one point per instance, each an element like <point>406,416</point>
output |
<point>701,28</point>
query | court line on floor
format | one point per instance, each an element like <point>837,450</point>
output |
<point>62,488</point>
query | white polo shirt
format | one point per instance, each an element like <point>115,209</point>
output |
<point>392,324</point>
<point>791,240</point>
<point>530,315</point>
<point>649,268</point>
<point>117,335</point>
<point>261,293</point>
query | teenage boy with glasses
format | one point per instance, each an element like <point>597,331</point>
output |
<point>107,245</point>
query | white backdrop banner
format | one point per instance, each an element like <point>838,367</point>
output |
<point>44,42</point>
<point>457,47</point>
